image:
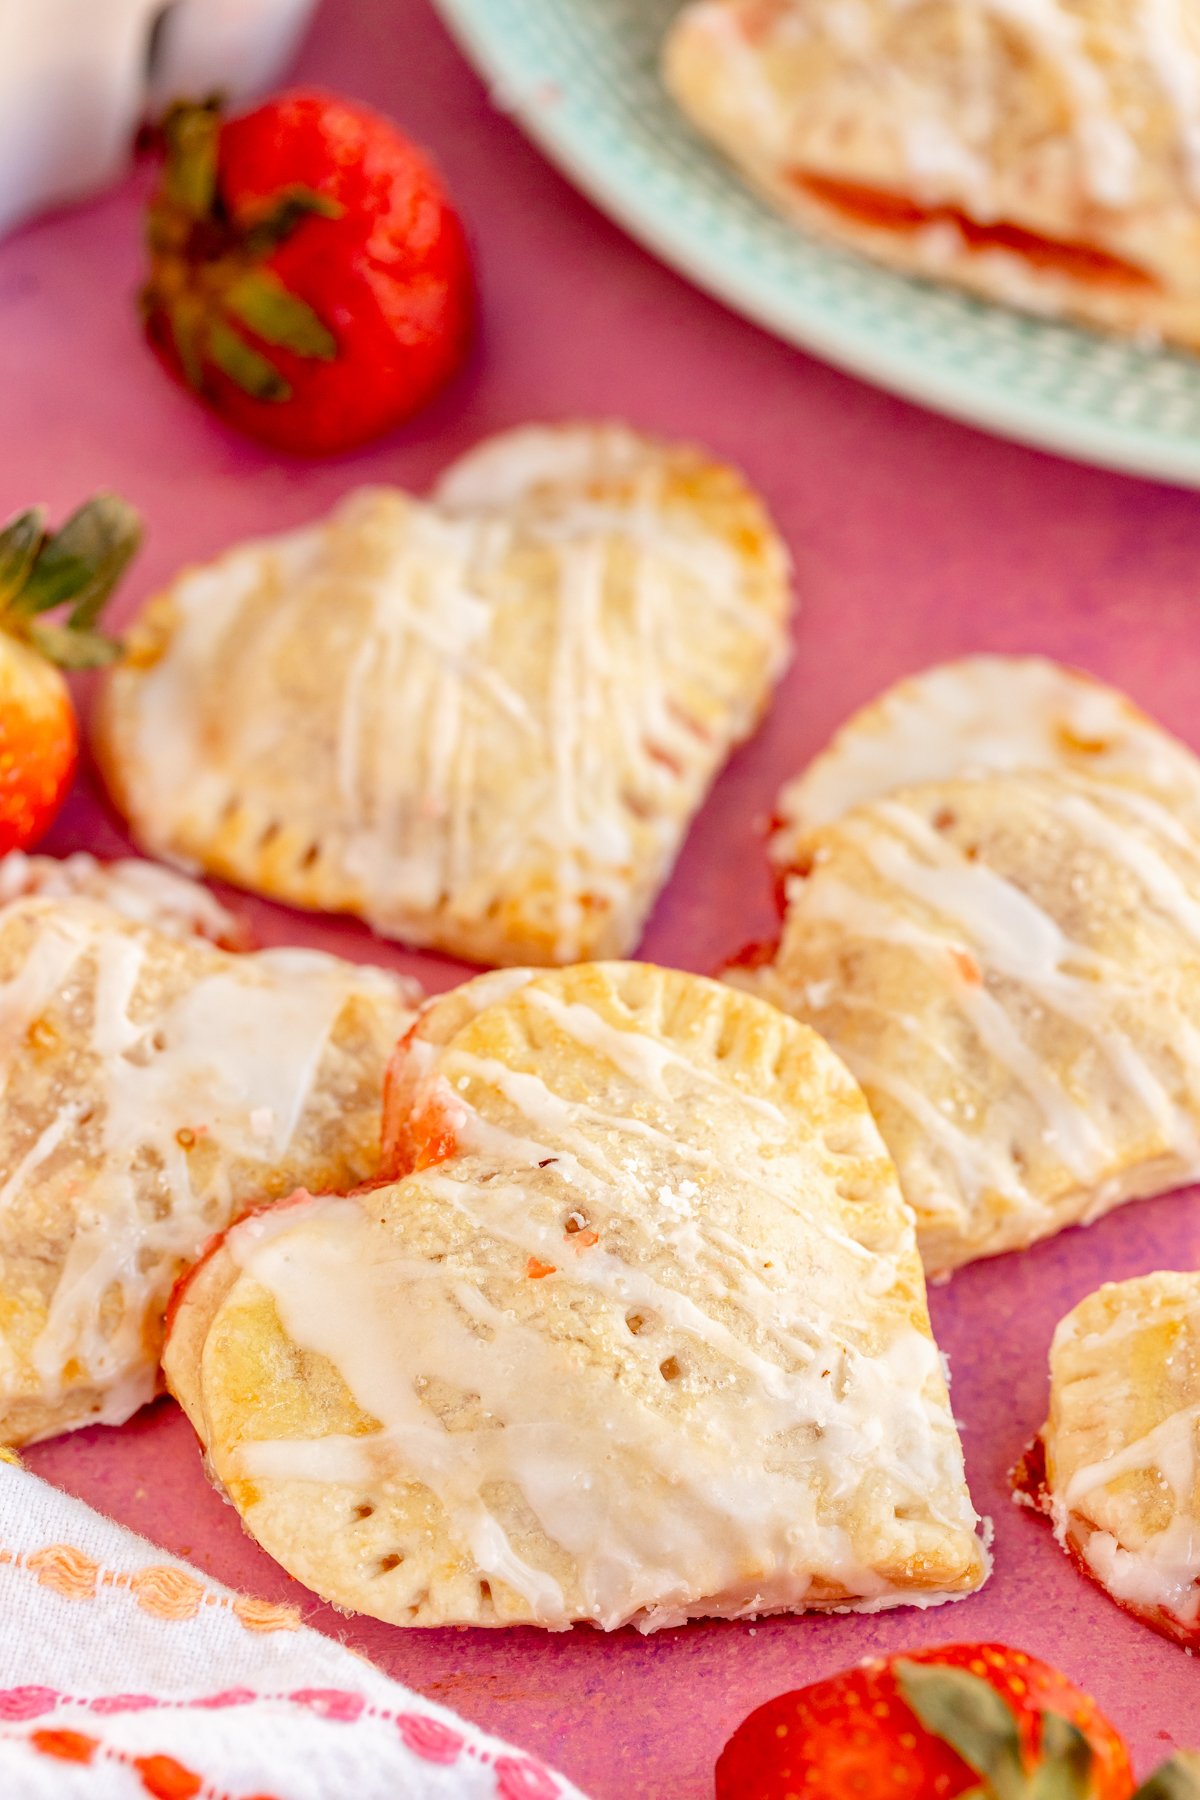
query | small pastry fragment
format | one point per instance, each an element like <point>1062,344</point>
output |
<point>143,891</point>
<point>153,1087</point>
<point>978,716</point>
<point>639,1336</point>
<point>1011,968</point>
<point>1117,1464</point>
<point>483,722</point>
<point>1046,157</point>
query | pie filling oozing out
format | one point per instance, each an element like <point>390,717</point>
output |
<point>884,211</point>
<point>1046,156</point>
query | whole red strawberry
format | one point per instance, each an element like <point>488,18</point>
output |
<point>976,1720</point>
<point>308,275</point>
<point>70,573</point>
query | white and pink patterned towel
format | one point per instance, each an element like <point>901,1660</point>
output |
<point>125,1673</point>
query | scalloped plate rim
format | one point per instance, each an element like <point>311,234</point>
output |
<point>1038,424</point>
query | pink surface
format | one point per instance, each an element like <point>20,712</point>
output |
<point>914,539</point>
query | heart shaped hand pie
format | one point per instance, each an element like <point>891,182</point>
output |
<point>1120,1453</point>
<point>482,723</point>
<point>1011,967</point>
<point>641,1335</point>
<point>152,1084</point>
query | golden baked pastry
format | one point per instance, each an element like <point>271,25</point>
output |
<point>642,1337</point>
<point>1047,156</point>
<point>977,716</point>
<point>482,723</point>
<point>1117,1466</point>
<point>153,1087</point>
<point>1011,968</point>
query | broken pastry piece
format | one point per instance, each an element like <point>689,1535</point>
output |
<point>483,722</point>
<point>640,1336</point>
<point>153,1087</point>
<point>1117,1465</point>
<point>1046,156</point>
<point>1011,968</point>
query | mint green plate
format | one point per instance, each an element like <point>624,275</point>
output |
<point>581,77</point>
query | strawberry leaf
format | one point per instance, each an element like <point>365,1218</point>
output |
<point>81,562</point>
<point>20,541</point>
<point>1064,1770</point>
<point>967,1713</point>
<point>282,215</point>
<point>71,649</point>
<point>244,366</point>
<point>190,178</point>
<point>262,303</point>
<point>1178,1779</point>
<point>185,321</point>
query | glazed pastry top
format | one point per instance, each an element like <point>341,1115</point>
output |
<point>642,1337</point>
<point>482,722</point>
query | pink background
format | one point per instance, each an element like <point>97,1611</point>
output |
<point>914,539</point>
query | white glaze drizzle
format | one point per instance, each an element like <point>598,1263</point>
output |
<point>979,716</point>
<point>1165,1569</point>
<point>657,1507</point>
<point>1157,1569</point>
<point>1006,934</point>
<point>644,1060</point>
<point>445,688</point>
<point>1019,940</point>
<point>232,1060</point>
<point>142,891</point>
<point>951,154</point>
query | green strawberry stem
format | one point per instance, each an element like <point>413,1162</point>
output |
<point>72,571</point>
<point>209,285</point>
<point>1178,1779</point>
<point>967,1713</point>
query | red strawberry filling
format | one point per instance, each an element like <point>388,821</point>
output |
<point>884,211</point>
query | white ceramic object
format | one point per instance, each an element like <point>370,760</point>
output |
<point>77,77</point>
